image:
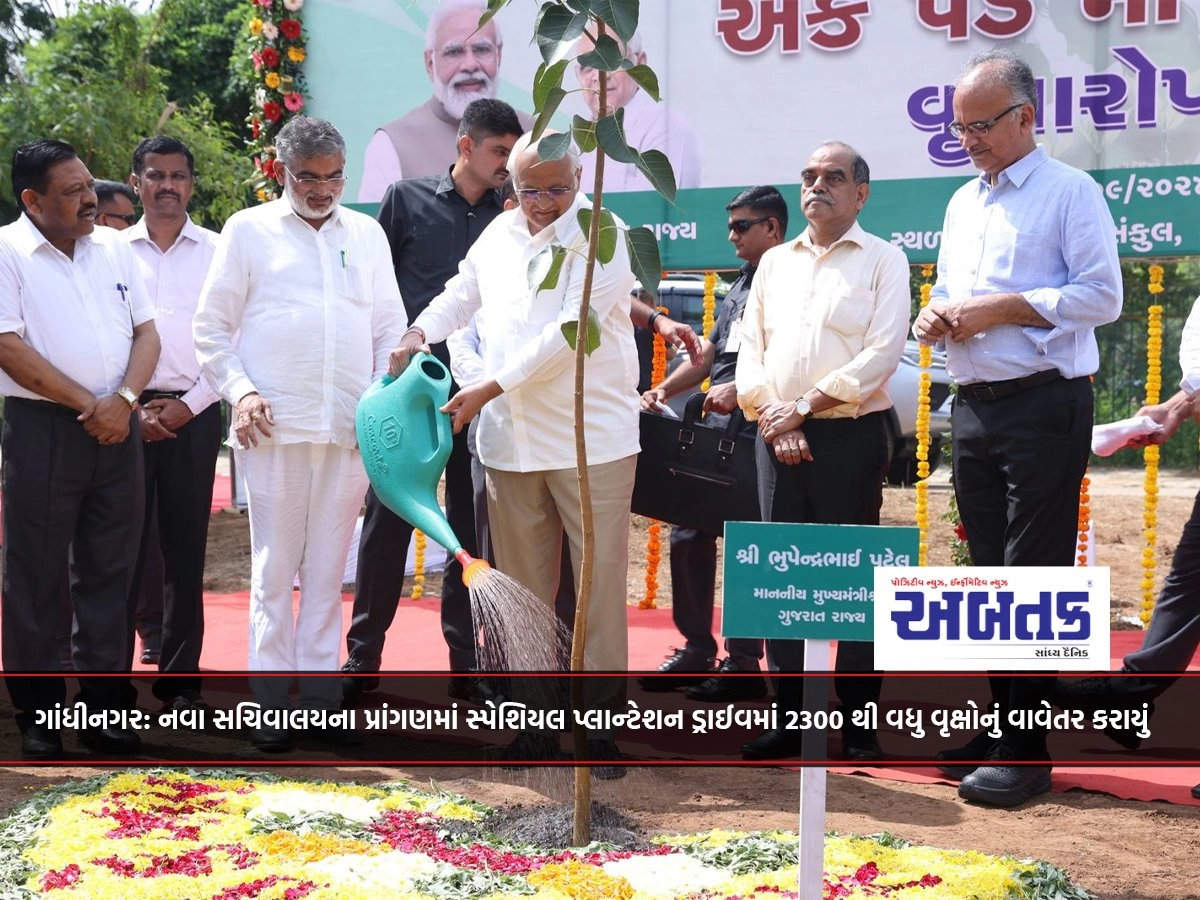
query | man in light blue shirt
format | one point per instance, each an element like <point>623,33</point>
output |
<point>1026,271</point>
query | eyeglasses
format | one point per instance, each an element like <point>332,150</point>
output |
<point>532,195</point>
<point>741,226</point>
<point>156,177</point>
<point>958,129</point>
<point>127,219</point>
<point>481,50</point>
<point>335,181</point>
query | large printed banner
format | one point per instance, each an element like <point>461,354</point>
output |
<point>751,86</point>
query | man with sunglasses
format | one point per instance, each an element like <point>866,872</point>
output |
<point>114,205</point>
<point>1027,270</point>
<point>758,220</point>
<point>296,319</point>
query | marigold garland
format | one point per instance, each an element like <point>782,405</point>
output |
<point>923,440</point>
<point>1150,455</point>
<point>1085,518</point>
<point>419,543</point>
<point>710,313</point>
<point>276,53</point>
<point>658,371</point>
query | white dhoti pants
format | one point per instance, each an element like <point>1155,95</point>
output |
<point>304,500</point>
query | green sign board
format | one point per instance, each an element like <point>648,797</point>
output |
<point>785,580</point>
<point>1155,210</point>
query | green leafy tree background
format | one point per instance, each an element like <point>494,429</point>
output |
<point>91,80</point>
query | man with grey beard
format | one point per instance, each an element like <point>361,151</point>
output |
<point>463,62</point>
<point>297,317</point>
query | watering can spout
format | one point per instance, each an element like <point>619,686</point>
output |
<point>405,441</point>
<point>471,566</point>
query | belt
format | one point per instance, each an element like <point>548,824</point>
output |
<point>43,406</point>
<point>990,391</point>
<point>149,395</point>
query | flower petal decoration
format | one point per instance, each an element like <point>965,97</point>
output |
<point>293,101</point>
<point>168,834</point>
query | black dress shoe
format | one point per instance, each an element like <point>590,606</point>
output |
<point>723,687</point>
<point>1196,792</point>
<point>473,689</point>
<point>773,744</point>
<point>271,740</point>
<point>682,668</point>
<point>359,677</point>
<point>40,742</point>
<point>186,700</point>
<point>975,749</point>
<point>1128,737</point>
<point>860,745</point>
<point>150,657</point>
<point>1000,785</point>
<point>334,736</point>
<point>111,740</point>
<point>604,749</point>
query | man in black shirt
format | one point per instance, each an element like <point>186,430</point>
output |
<point>758,220</point>
<point>430,223</point>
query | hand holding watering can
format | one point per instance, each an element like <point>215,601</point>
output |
<point>463,406</point>
<point>405,441</point>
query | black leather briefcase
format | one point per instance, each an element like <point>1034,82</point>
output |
<point>694,474</point>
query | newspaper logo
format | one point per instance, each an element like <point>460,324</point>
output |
<point>1036,618</point>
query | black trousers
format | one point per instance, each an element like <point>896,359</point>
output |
<point>382,555</point>
<point>1018,464</point>
<point>1174,631</point>
<point>693,591</point>
<point>179,486</point>
<point>62,489</point>
<point>842,485</point>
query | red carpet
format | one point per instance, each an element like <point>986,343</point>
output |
<point>415,643</point>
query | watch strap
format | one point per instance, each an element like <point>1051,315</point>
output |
<point>125,392</point>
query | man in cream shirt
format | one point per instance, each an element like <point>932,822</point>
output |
<point>823,331</point>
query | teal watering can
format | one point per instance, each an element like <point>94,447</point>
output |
<point>405,442</point>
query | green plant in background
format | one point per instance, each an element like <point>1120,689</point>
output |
<point>21,21</point>
<point>90,83</point>
<point>193,43</point>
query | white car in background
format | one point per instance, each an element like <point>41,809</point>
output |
<point>683,296</point>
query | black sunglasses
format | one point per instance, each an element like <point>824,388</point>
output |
<point>127,219</point>
<point>741,226</point>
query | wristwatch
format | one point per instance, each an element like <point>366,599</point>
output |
<point>126,393</point>
<point>803,409</point>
